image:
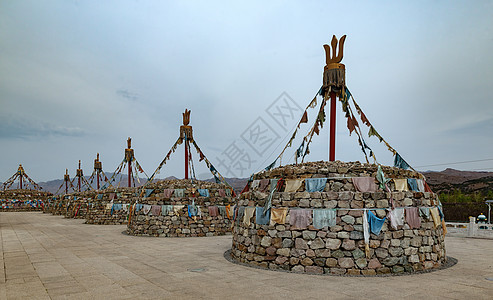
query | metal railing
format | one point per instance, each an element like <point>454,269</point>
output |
<point>470,229</point>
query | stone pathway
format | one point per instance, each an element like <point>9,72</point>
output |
<point>49,257</point>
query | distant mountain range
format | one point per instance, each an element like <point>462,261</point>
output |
<point>443,181</point>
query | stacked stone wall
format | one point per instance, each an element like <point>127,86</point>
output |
<point>100,211</point>
<point>339,249</point>
<point>23,200</point>
<point>179,223</point>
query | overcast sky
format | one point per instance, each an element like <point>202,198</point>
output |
<point>79,77</point>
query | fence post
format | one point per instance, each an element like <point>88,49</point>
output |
<point>471,229</point>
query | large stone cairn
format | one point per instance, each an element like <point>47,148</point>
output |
<point>180,224</point>
<point>339,249</point>
<point>18,199</point>
<point>98,212</point>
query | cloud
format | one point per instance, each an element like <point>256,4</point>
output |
<point>12,127</point>
<point>127,95</point>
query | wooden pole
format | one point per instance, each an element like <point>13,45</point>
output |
<point>332,141</point>
<point>186,159</point>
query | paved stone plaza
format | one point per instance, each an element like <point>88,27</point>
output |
<point>50,257</point>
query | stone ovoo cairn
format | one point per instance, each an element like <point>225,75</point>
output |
<point>179,224</point>
<point>58,206</point>
<point>23,200</point>
<point>100,211</point>
<point>339,249</point>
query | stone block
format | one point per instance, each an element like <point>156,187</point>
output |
<point>309,235</point>
<point>356,235</point>
<point>287,243</point>
<point>348,219</point>
<point>358,253</point>
<point>310,253</point>
<point>390,261</point>
<point>374,264</point>
<point>396,251</point>
<point>381,253</point>
<point>382,203</point>
<point>317,243</point>
<point>330,204</point>
<point>283,251</point>
<point>333,244</point>
<point>301,244</point>
<point>306,261</point>
<point>348,244</point>
<point>298,269</point>
<point>331,262</point>
<point>266,241</point>
<point>322,253</point>
<point>314,270</point>
<point>345,262</point>
<point>343,235</point>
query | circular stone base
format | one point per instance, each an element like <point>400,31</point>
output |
<point>449,262</point>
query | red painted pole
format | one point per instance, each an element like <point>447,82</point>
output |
<point>332,141</point>
<point>186,159</point>
<point>66,187</point>
<point>78,187</point>
<point>20,181</point>
<point>97,179</point>
<point>129,173</point>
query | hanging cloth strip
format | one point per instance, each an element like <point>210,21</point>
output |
<point>366,234</point>
<point>278,216</point>
<point>222,210</point>
<point>156,210</point>
<point>424,212</point>
<point>240,211</point>
<point>420,184</point>
<point>365,184</point>
<point>222,193</point>
<point>400,184</point>
<point>179,193</point>
<point>177,209</point>
<point>255,184</point>
<point>192,210</point>
<point>138,206</point>
<point>399,162</point>
<point>148,192</point>
<point>260,217</point>
<point>165,209</point>
<point>274,186</point>
<point>249,211</point>
<point>396,217</point>
<point>412,217</point>
<point>264,183</point>
<point>213,211</point>
<point>300,218</point>
<point>427,188</point>
<point>413,185</point>
<point>315,184</point>
<point>292,185</point>
<point>435,216</point>
<point>146,209</point>
<point>168,193</point>
<point>203,192</point>
<point>229,211</point>
<point>324,217</point>
<point>375,223</point>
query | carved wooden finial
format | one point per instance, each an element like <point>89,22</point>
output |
<point>129,143</point>
<point>186,117</point>
<point>330,59</point>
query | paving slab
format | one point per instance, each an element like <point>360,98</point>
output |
<point>50,257</point>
